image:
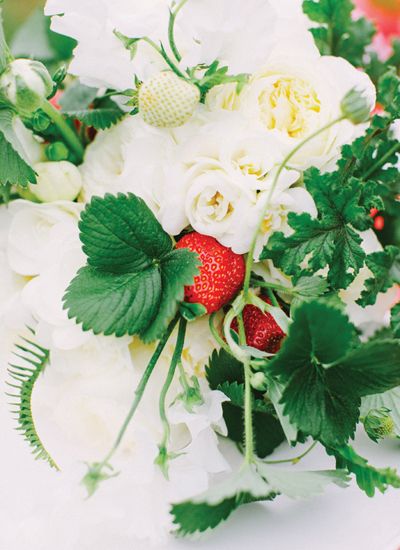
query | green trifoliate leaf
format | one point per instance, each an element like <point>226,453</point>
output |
<point>368,478</point>
<point>134,279</point>
<point>325,378</point>
<point>385,267</point>
<point>14,166</point>
<point>331,239</point>
<point>339,34</point>
<point>217,504</point>
<point>378,424</point>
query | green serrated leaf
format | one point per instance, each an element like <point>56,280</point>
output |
<point>32,362</point>
<point>217,504</point>
<point>329,240</point>
<point>395,321</point>
<point>385,268</point>
<point>77,97</point>
<point>134,280</point>
<point>104,114</point>
<point>14,166</point>
<point>325,378</point>
<point>368,478</point>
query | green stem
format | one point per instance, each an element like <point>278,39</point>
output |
<point>166,58</point>
<point>248,398</point>
<point>294,460</point>
<point>171,30</point>
<point>273,299</point>
<point>217,336</point>
<point>66,131</point>
<point>141,389</point>
<point>176,359</point>
<point>273,286</point>
<point>284,164</point>
<point>382,161</point>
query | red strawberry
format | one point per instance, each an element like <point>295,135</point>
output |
<point>221,273</point>
<point>262,331</point>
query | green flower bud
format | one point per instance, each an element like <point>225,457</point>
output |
<point>57,151</point>
<point>355,107</point>
<point>259,381</point>
<point>40,121</point>
<point>379,424</point>
<point>26,84</point>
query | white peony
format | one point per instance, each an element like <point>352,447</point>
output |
<point>295,94</point>
<point>56,181</point>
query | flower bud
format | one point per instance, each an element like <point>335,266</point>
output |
<point>26,84</point>
<point>259,381</point>
<point>379,424</point>
<point>355,107</point>
<point>57,151</point>
<point>56,181</point>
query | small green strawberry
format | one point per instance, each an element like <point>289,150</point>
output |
<point>167,101</point>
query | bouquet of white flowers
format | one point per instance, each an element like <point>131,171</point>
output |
<point>191,276</point>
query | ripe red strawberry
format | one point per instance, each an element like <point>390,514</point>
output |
<point>221,273</point>
<point>262,331</point>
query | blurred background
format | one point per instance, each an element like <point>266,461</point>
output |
<point>16,12</point>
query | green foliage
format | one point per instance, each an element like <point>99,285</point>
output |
<point>225,374</point>
<point>215,76</point>
<point>4,50</point>
<point>258,482</point>
<point>33,360</point>
<point>385,268</point>
<point>395,321</point>
<point>14,166</point>
<point>325,372</point>
<point>35,39</point>
<point>81,102</point>
<point>134,279</point>
<point>331,239</point>
<point>368,478</point>
<point>338,33</point>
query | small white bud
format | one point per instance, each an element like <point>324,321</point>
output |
<point>56,181</point>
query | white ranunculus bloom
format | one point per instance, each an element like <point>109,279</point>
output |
<point>295,94</point>
<point>57,181</point>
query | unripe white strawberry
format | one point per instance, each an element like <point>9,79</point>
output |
<point>167,101</point>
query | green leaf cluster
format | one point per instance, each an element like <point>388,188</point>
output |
<point>326,371</point>
<point>337,33</point>
<point>332,239</point>
<point>135,279</point>
<point>82,103</point>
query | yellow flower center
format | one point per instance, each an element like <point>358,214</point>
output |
<point>289,105</point>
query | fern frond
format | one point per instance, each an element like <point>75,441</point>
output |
<point>32,361</point>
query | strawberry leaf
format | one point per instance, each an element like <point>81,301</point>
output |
<point>325,375</point>
<point>385,267</point>
<point>368,478</point>
<point>134,279</point>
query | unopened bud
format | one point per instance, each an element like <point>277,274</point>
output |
<point>355,107</point>
<point>56,181</point>
<point>26,84</point>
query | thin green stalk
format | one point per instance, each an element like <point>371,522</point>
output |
<point>141,389</point>
<point>66,131</point>
<point>176,359</point>
<point>171,30</point>
<point>248,398</point>
<point>217,336</point>
<point>273,286</point>
<point>250,257</point>
<point>382,161</point>
<point>272,297</point>
<point>294,460</point>
<point>166,58</point>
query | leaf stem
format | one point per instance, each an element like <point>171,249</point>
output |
<point>284,164</point>
<point>176,359</point>
<point>166,58</point>
<point>141,388</point>
<point>248,398</point>
<point>382,161</point>
<point>66,131</point>
<point>273,286</point>
<point>217,336</point>
<point>294,460</point>
<point>171,30</point>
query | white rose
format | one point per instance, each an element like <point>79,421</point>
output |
<point>38,232</point>
<point>57,181</point>
<point>296,94</point>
